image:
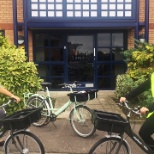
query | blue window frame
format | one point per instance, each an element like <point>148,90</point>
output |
<point>65,10</point>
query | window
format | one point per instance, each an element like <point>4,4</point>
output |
<point>81,8</point>
<point>2,32</point>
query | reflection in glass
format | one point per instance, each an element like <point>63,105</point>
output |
<point>117,39</point>
<point>103,54</point>
<point>104,82</point>
<point>118,56</point>
<point>80,58</point>
<point>103,69</point>
<point>103,39</point>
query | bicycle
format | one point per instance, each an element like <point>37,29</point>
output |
<point>20,140</point>
<point>116,143</point>
<point>80,115</point>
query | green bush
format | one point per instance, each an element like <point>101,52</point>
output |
<point>140,65</point>
<point>16,74</point>
<point>124,84</point>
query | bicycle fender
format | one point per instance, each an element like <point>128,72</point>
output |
<point>38,95</point>
<point>116,136</point>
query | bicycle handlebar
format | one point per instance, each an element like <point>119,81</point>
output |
<point>5,104</point>
<point>135,110</point>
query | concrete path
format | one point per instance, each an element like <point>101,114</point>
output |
<point>59,137</point>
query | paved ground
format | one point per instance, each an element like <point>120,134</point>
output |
<point>59,138</point>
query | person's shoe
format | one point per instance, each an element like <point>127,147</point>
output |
<point>2,143</point>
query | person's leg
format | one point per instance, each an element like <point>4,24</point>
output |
<point>147,129</point>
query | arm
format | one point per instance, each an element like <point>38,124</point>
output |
<point>8,93</point>
<point>140,89</point>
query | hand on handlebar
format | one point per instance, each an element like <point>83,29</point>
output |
<point>122,99</point>
<point>144,110</point>
<point>16,98</point>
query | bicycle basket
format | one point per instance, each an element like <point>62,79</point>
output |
<point>21,119</point>
<point>78,96</point>
<point>92,94</point>
<point>110,122</point>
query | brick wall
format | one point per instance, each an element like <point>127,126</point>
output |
<point>151,22</point>
<point>6,22</point>
<point>6,18</point>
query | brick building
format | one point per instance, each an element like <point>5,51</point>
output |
<point>77,39</point>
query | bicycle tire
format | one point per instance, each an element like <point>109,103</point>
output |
<point>105,146</point>
<point>37,101</point>
<point>23,142</point>
<point>81,121</point>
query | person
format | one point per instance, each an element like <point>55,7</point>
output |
<point>2,114</point>
<point>147,128</point>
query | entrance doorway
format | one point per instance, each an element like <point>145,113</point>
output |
<point>94,59</point>
<point>81,59</point>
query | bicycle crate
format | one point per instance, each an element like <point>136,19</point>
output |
<point>110,122</point>
<point>81,96</point>
<point>92,94</point>
<point>21,119</point>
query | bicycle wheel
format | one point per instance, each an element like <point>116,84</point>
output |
<point>36,101</point>
<point>81,121</point>
<point>109,146</point>
<point>23,142</point>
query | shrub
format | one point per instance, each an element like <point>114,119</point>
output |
<point>16,74</point>
<point>140,64</point>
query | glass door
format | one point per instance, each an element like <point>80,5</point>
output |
<point>81,55</point>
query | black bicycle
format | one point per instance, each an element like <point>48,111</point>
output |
<point>20,140</point>
<point>116,143</point>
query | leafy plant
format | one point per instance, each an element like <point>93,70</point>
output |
<point>16,74</point>
<point>140,65</point>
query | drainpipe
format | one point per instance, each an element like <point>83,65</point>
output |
<point>25,28</point>
<point>14,2</point>
<point>137,23</point>
<point>147,20</point>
